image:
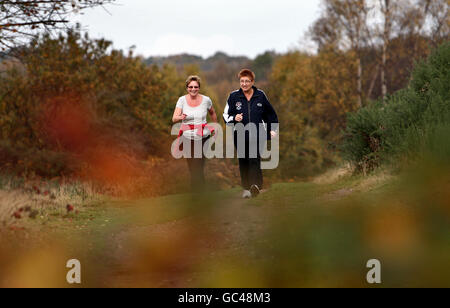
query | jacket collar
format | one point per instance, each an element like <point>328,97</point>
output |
<point>255,92</point>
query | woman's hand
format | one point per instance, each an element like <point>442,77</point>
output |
<point>178,118</point>
<point>178,115</point>
<point>239,117</point>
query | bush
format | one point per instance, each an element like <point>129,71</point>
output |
<point>311,95</point>
<point>24,161</point>
<point>363,137</point>
<point>71,94</point>
<point>410,123</point>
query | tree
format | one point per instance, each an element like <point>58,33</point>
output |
<point>403,21</point>
<point>312,95</point>
<point>413,122</point>
<point>262,65</point>
<point>440,21</point>
<point>22,19</point>
<point>293,91</point>
<point>350,16</point>
<point>429,18</point>
<point>74,95</point>
<point>325,33</point>
<point>386,10</point>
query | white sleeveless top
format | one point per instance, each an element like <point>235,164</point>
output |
<point>195,115</point>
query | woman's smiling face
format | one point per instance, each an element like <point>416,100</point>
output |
<point>193,88</point>
<point>246,83</point>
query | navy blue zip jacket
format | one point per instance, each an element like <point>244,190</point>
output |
<point>257,110</point>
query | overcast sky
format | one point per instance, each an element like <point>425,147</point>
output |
<point>202,27</point>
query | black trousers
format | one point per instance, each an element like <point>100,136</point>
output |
<point>196,165</point>
<point>251,173</point>
<point>250,168</point>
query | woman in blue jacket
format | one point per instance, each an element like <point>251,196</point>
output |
<point>249,105</point>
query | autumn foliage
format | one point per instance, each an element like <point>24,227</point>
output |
<point>358,60</point>
<point>72,105</point>
<point>312,93</point>
<point>411,125</point>
<point>71,95</point>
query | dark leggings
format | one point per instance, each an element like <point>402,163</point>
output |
<point>251,173</point>
<point>250,168</point>
<point>196,165</point>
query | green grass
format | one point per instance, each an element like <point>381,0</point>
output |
<point>295,234</point>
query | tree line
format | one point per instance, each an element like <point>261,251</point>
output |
<point>366,51</point>
<point>55,92</point>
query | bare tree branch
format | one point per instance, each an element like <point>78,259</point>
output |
<point>22,19</point>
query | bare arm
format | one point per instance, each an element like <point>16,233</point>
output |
<point>212,114</point>
<point>178,115</point>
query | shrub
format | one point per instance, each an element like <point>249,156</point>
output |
<point>411,122</point>
<point>73,93</point>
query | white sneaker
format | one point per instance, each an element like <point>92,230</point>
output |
<point>246,194</point>
<point>254,191</point>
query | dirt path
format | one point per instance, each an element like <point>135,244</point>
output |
<point>179,248</point>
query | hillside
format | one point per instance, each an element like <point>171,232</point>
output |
<point>205,65</point>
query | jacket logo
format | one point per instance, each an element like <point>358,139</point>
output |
<point>238,105</point>
<point>259,105</point>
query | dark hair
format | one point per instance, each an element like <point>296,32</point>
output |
<point>246,73</point>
